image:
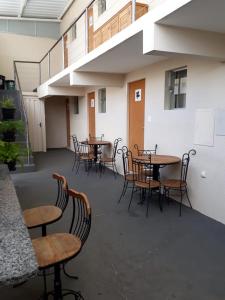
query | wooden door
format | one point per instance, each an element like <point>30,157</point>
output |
<point>68,121</point>
<point>65,42</point>
<point>35,110</point>
<point>136,113</point>
<point>91,113</point>
<point>90,30</point>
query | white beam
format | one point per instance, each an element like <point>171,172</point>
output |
<point>29,19</point>
<point>66,9</point>
<point>96,79</point>
<point>23,4</point>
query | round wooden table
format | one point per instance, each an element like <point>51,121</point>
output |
<point>96,144</point>
<point>157,161</point>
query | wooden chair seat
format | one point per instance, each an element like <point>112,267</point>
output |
<point>42,215</point>
<point>55,248</point>
<point>174,183</point>
<point>145,185</point>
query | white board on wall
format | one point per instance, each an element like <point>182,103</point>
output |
<point>220,122</point>
<point>204,127</point>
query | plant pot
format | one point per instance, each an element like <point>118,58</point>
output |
<point>11,165</point>
<point>8,113</point>
<point>9,136</point>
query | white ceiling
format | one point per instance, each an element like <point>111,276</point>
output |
<point>206,15</point>
<point>44,9</point>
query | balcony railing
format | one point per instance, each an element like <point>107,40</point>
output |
<point>91,29</point>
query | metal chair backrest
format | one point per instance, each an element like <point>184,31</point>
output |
<point>127,159</point>
<point>142,169</point>
<point>97,138</point>
<point>185,164</point>
<point>75,144</point>
<point>81,216</point>
<point>115,146</point>
<point>141,152</point>
<point>62,193</point>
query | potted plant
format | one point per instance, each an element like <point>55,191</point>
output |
<point>10,154</point>
<point>10,128</point>
<point>8,109</point>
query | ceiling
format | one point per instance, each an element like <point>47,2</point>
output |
<point>37,9</point>
<point>206,15</point>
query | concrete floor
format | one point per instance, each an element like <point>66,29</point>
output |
<point>128,256</point>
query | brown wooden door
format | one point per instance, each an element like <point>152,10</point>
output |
<point>91,113</point>
<point>90,30</point>
<point>136,113</point>
<point>65,42</point>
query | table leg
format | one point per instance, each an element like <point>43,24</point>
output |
<point>156,172</point>
<point>96,152</point>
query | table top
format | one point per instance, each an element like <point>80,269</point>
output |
<point>159,159</point>
<point>96,142</point>
<point>41,215</point>
<point>17,257</point>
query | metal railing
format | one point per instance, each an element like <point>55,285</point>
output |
<point>54,61</point>
<point>23,113</point>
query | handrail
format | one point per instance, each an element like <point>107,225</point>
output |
<point>74,22</point>
<point>16,77</point>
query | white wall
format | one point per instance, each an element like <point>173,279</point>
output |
<point>19,47</point>
<point>173,130</point>
<point>55,114</point>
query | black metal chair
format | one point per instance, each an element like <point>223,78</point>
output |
<point>56,249</point>
<point>144,182</point>
<point>76,150</point>
<point>128,173</point>
<point>141,152</point>
<point>181,183</point>
<point>110,161</point>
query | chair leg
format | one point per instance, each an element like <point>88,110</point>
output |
<point>74,163</point>
<point>160,201</point>
<point>69,275</point>
<point>181,200</point>
<point>124,188</point>
<point>131,197</point>
<point>78,166</point>
<point>148,201</point>
<point>57,284</point>
<point>188,197</point>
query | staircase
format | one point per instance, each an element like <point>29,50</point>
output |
<point>22,139</point>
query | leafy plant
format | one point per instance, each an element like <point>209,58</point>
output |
<point>8,103</point>
<point>11,152</point>
<point>16,126</point>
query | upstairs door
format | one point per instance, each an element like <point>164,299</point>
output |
<point>91,113</point>
<point>136,92</point>
<point>90,30</point>
<point>65,42</point>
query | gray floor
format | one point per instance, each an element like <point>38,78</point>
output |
<point>127,255</point>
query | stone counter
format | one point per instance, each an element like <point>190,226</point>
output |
<point>17,258</point>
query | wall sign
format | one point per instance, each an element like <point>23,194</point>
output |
<point>92,102</point>
<point>138,95</point>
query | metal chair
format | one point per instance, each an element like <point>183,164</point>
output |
<point>181,183</point>
<point>144,182</point>
<point>110,161</point>
<point>141,152</point>
<point>128,173</point>
<point>56,249</point>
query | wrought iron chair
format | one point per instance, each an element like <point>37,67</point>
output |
<point>76,150</point>
<point>128,173</point>
<point>97,138</point>
<point>56,249</point>
<point>181,183</point>
<point>144,182</point>
<point>110,161</point>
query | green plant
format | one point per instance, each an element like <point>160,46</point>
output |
<point>8,103</point>
<point>17,126</point>
<point>11,152</point>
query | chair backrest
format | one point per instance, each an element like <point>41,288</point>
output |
<point>127,159</point>
<point>115,146</point>
<point>185,164</point>
<point>142,170</point>
<point>62,192</point>
<point>81,216</point>
<point>75,144</point>
<point>141,152</point>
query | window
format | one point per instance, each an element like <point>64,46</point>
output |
<point>102,100</point>
<point>74,31</point>
<point>101,6</point>
<point>76,105</point>
<point>175,88</point>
